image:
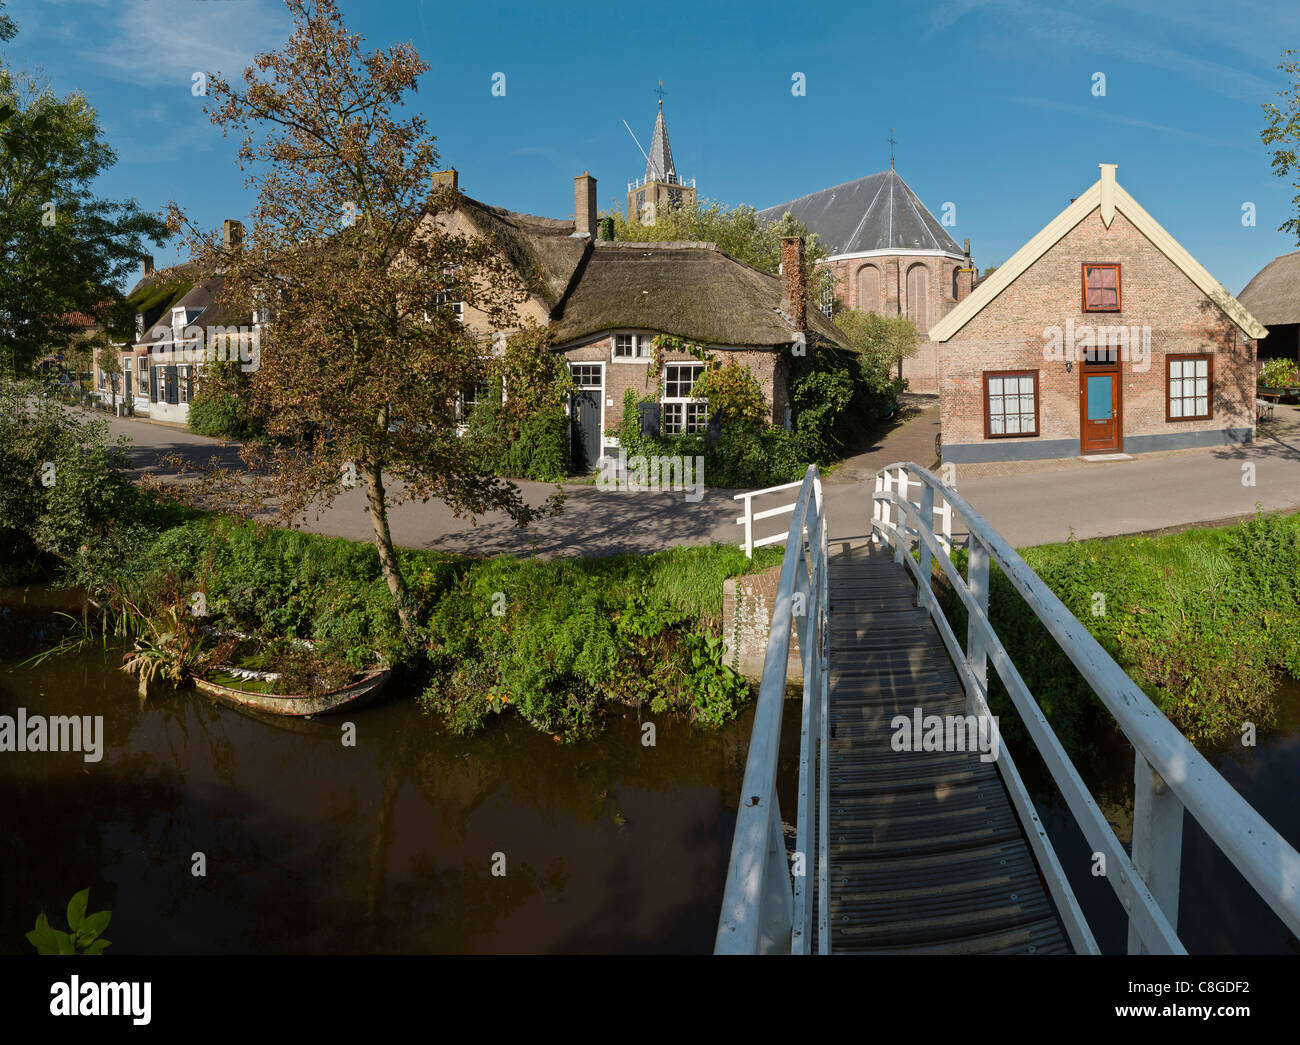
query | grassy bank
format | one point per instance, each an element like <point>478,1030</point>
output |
<point>1206,621</point>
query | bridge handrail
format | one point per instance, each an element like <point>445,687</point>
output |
<point>1170,774</point>
<point>762,911</point>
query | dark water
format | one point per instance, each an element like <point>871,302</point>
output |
<point>384,847</point>
<point>1219,913</point>
<point>387,847</point>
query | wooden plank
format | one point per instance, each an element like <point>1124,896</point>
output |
<point>926,852</point>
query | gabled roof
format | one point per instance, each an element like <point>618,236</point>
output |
<point>659,164</point>
<point>1273,296</point>
<point>1107,194</point>
<point>875,213</point>
<point>690,290</point>
<point>543,251</point>
<point>204,298</point>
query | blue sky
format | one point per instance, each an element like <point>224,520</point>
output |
<point>991,101</point>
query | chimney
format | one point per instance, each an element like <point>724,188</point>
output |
<point>232,234</point>
<point>584,205</point>
<point>447,179</point>
<point>146,266</point>
<point>794,289</point>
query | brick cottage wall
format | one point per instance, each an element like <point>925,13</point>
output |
<point>922,369</point>
<point>746,620</point>
<point>623,374</point>
<point>1009,335</point>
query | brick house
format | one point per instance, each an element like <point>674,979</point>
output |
<point>1100,335</point>
<point>888,254</point>
<point>605,301</point>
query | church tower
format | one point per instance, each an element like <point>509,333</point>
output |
<point>661,188</point>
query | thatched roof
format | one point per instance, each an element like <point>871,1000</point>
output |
<point>204,298</point>
<point>690,290</point>
<point>543,251</point>
<point>1273,296</point>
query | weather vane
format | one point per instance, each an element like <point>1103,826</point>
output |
<point>892,143</point>
<point>661,92</point>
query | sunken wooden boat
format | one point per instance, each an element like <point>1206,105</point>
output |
<point>354,695</point>
<point>362,690</point>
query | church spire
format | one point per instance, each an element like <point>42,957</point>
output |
<point>659,164</point>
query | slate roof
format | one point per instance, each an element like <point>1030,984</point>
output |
<point>691,290</point>
<point>659,164</point>
<point>875,213</point>
<point>1273,296</point>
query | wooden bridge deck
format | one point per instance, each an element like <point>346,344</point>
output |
<point>926,852</point>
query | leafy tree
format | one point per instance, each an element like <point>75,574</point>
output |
<point>882,340</point>
<point>362,360</point>
<point>62,248</point>
<point>1283,131</point>
<point>737,230</point>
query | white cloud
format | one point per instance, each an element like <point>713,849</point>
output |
<point>168,41</point>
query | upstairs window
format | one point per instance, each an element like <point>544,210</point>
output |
<point>1101,288</point>
<point>631,346</point>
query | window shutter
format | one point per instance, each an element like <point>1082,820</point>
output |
<point>189,384</point>
<point>171,384</point>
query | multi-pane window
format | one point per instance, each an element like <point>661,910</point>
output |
<point>682,412</point>
<point>586,375</point>
<point>1190,387</point>
<point>1010,403</point>
<point>631,346</point>
<point>183,383</point>
<point>1101,288</point>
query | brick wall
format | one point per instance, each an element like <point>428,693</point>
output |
<point>1009,335</point>
<point>890,299</point>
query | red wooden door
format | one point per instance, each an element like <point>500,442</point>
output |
<point>1099,414</point>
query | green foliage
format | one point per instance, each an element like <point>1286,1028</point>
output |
<point>739,231</point>
<point>1204,621</point>
<point>1279,373</point>
<point>1282,130</point>
<point>64,498</point>
<point>560,641</point>
<point>84,935</point>
<point>733,393</point>
<point>222,406</point>
<point>524,435</point>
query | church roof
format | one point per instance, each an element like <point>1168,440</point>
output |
<point>659,164</point>
<point>875,213</point>
<point>1273,296</point>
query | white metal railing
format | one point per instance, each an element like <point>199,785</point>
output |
<point>767,906</point>
<point>1170,774</point>
<point>749,518</point>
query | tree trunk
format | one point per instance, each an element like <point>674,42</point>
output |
<point>384,543</point>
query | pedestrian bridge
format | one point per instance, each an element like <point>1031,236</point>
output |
<point>914,831</point>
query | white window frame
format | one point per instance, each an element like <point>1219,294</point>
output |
<point>681,402</point>
<point>640,347</point>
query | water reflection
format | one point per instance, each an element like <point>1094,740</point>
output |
<point>314,847</point>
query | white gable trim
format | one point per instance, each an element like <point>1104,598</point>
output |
<point>1107,194</point>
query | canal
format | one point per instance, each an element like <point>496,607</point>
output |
<point>389,846</point>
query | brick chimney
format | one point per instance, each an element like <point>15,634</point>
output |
<point>584,205</point>
<point>448,179</point>
<point>232,234</point>
<point>146,266</point>
<point>794,289</point>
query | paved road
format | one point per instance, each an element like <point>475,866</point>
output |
<point>1029,507</point>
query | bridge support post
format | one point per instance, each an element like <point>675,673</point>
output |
<point>901,545</point>
<point>1157,843</point>
<point>927,524</point>
<point>977,580</point>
